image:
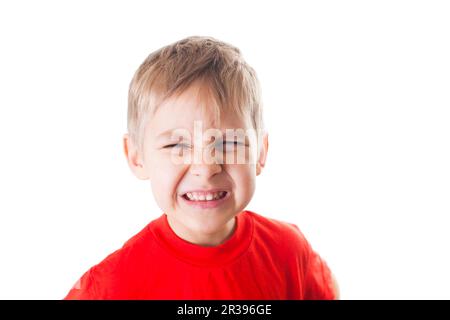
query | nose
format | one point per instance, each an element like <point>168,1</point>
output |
<point>204,169</point>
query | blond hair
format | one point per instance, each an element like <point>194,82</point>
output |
<point>166,72</point>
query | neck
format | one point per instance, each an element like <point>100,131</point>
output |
<point>203,239</point>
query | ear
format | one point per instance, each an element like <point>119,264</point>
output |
<point>262,154</point>
<point>134,159</point>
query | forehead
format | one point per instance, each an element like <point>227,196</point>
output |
<point>191,106</point>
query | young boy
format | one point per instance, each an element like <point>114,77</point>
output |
<point>195,130</point>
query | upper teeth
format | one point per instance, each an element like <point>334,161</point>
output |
<point>197,196</point>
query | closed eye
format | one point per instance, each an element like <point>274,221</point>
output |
<point>178,145</point>
<point>183,145</point>
<point>235,143</point>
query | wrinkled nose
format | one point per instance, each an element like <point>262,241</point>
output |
<point>206,161</point>
<point>205,170</point>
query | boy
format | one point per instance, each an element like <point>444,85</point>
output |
<point>205,245</point>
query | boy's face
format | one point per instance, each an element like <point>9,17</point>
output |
<point>200,197</point>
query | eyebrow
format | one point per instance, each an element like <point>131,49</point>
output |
<point>168,134</point>
<point>165,134</point>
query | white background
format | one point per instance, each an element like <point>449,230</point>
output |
<point>356,96</point>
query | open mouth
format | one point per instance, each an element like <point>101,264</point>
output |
<point>205,196</point>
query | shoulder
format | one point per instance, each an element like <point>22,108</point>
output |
<point>275,227</point>
<point>112,274</point>
<point>131,247</point>
<point>287,242</point>
<point>283,235</point>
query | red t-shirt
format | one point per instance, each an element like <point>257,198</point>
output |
<point>263,259</point>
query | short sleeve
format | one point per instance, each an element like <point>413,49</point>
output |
<point>83,288</point>
<point>318,280</point>
<point>109,279</point>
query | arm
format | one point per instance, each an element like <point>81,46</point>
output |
<point>337,293</point>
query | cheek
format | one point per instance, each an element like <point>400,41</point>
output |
<point>244,178</point>
<point>164,180</point>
